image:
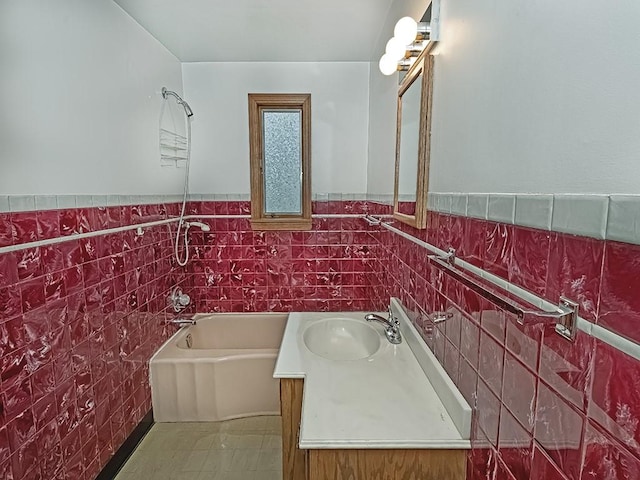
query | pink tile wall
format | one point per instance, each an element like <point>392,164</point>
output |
<point>545,408</point>
<point>79,321</point>
<point>235,269</point>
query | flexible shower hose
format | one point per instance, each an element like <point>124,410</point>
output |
<point>183,262</point>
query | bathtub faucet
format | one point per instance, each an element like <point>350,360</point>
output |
<point>182,322</point>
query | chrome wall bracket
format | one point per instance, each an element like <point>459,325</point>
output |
<point>568,323</point>
<point>450,256</point>
<point>439,317</point>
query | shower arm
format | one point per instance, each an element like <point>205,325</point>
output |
<point>179,99</point>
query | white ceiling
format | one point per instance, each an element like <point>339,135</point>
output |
<point>263,30</point>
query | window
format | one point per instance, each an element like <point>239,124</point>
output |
<point>280,151</point>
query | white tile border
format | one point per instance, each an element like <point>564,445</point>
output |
<point>459,204</point>
<point>580,215</point>
<point>534,211</point>
<point>605,217</point>
<point>46,202</point>
<point>478,205</point>
<point>623,220</point>
<point>27,203</point>
<point>502,207</point>
<point>24,203</point>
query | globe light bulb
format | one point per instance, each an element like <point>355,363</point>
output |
<point>406,30</point>
<point>388,66</point>
<point>396,49</point>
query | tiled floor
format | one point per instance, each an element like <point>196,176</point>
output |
<point>244,449</point>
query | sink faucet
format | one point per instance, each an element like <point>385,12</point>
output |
<point>392,326</point>
<point>181,322</point>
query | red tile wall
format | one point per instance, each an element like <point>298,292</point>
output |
<point>235,269</point>
<point>79,321</point>
<point>545,408</point>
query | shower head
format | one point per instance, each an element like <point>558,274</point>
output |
<point>185,105</point>
<point>202,226</point>
<point>187,109</point>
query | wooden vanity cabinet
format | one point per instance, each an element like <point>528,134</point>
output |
<point>387,464</point>
<point>357,464</point>
<point>294,460</point>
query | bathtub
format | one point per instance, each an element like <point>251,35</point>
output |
<point>218,369</point>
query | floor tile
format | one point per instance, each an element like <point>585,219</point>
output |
<point>240,449</point>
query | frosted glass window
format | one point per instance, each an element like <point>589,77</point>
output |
<point>280,160</point>
<point>282,136</point>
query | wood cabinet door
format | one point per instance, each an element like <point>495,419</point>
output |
<point>294,460</point>
<point>387,464</point>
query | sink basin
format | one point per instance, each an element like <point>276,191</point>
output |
<point>342,339</point>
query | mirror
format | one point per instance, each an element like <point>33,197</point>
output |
<point>412,144</point>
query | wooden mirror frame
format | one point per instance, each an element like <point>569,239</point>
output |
<point>422,70</point>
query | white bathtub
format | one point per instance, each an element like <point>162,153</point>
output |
<point>218,369</point>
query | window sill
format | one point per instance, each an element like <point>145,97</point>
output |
<point>281,224</point>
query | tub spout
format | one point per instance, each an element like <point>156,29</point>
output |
<point>182,322</point>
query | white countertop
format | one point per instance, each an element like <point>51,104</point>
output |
<point>384,401</point>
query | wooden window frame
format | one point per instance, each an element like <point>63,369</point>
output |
<point>282,101</point>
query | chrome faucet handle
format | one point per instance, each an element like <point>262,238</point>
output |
<point>392,318</point>
<point>391,327</point>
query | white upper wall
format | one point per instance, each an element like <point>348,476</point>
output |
<point>80,100</point>
<point>530,97</point>
<point>217,92</point>
<point>537,97</point>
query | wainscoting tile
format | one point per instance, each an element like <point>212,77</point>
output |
<point>84,201</point>
<point>580,215</point>
<point>543,468</point>
<point>431,201</point>
<point>22,203</point>
<point>607,459</point>
<point>46,202</point>
<point>534,211</point>
<point>477,205</point>
<point>4,204</point>
<point>67,201</point>
<point>502,208</point>
<point>559,431</point>
<point>443,202</point>
<point>459,204</point>
<point>623,222</point>
<point>619,308</point>
<point>615,403</point>
<point>515,446</point>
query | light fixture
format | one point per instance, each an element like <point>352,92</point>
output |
<point>396,49</point>
<point>410,39</point>
<point>388,65</point>
<point>406,30</point>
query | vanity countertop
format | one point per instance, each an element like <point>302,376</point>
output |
<point>384,401</point>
